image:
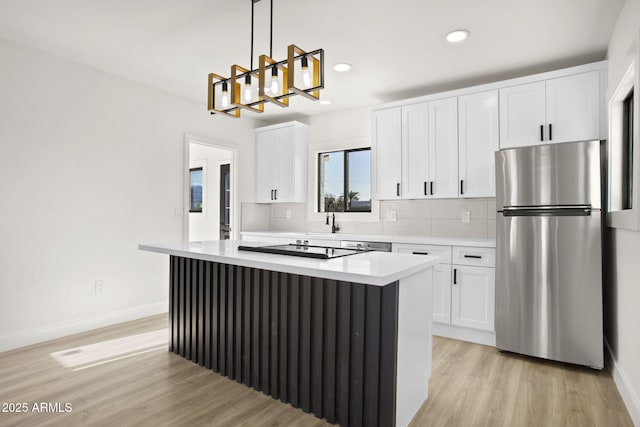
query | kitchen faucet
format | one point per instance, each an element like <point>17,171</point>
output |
<point>334,227</point>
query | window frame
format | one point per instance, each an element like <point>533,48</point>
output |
<point>345,187</point>
<point>617,216</point>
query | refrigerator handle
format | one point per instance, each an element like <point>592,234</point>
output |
<point>541,132</point>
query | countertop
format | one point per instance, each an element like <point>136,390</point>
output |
<point>423,240</point>
<point>371,268</point>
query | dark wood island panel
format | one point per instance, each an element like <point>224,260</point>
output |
<point>328,347</point>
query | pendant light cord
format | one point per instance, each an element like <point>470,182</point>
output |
<point>251,60</point>
<point>271,33</point>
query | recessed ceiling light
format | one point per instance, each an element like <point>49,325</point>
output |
<point>325,102</point>
<point>342,67</point>
<point>456,36</point>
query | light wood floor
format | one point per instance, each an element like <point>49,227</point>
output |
<point>471,385</point>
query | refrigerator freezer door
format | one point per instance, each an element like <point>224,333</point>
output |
<point>548,287</point>
<point>549,175</point>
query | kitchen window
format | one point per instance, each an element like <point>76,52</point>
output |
<point>624,153</point>
<point>195,198</point>
<point>627,151</point>
<point>344,181</point>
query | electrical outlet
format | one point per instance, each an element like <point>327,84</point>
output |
<point>390,216</point>
<point>98,287</point>
<point>466,216</point>
<point>288,214</point>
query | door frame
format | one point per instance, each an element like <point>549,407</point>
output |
<point>221,145</point>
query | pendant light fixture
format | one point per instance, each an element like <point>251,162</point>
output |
<point>302,73</point>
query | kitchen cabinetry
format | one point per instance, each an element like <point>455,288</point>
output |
<point>463,290</point>
<point>416,150</point>
<point>478,141</point>
<point>562,109</point>
<point>386,153</point>
<point>281,163</point>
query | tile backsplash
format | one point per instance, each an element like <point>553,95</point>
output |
<point>441,217</point>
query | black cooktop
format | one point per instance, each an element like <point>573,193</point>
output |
<point>320,252</point>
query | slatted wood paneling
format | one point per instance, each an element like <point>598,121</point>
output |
<point>326,346</point>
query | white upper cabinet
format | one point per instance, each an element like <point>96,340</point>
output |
<point>573,108</point>
<point>416,150</point>
<point>281,163</point>
<point>386,162</point>
<point>478,141</point>
<point>562,109</point>
<point>443,149</point>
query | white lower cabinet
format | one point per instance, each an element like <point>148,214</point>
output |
<point>473,297</point>
<point>463,290</point>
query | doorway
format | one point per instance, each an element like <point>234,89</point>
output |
<point>209,195</point>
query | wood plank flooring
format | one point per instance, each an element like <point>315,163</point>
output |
<point>471,385</point>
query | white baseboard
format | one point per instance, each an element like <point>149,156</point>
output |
<point>464,334</point>
<point>38,335</point>
<point>629,395</point>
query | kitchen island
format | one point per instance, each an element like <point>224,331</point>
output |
<point>347,339</point>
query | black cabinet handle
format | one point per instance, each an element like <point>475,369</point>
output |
<point>398,189</point>
<point>275,194</point>
<point>271,194</point>
<point>421,253</point>
<point>462,186</point>
<point>431,188</point>
<point>541,132</point>
<point>473,256</point>
<point>550,132</point>
<point>455,276</point>
<point>425,188</point>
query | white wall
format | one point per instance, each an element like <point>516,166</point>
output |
<point>205,225</point>
<point>91,165</point>
<point>622,287</point>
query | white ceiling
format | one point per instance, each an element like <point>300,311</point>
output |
<point>397,48</point>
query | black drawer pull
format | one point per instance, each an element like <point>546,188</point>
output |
<point>425,188</point>
<point>550,132</point>
<point>431,188</point>
<point>271,194</point>
<point>473,256</point>
<point>541,132</point>
<point>455,276</point>
<point>462,186</point>
<point>421,253</point>
<point>398,189</point>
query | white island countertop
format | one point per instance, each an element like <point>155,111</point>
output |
<point>371,268</point>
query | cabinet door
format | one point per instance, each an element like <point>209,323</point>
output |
<point>266,157</point>
<point>441,297</point>
<point>473,297</point>
<point>386,136</point>
<point>522,115</point>
<point>416,157</point>
<point>443,148</point>
<point>478,141</point>
<point>573,104</point>
<point>284,165</point>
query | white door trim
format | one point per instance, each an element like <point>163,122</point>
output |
<point>221,145</point>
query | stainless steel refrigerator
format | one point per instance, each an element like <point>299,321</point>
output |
<point>548,246</point>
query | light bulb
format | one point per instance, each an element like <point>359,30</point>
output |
<point>306,77</point>
<point>247,88</point>
<point>225,95</point>
<point>274,81</point>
